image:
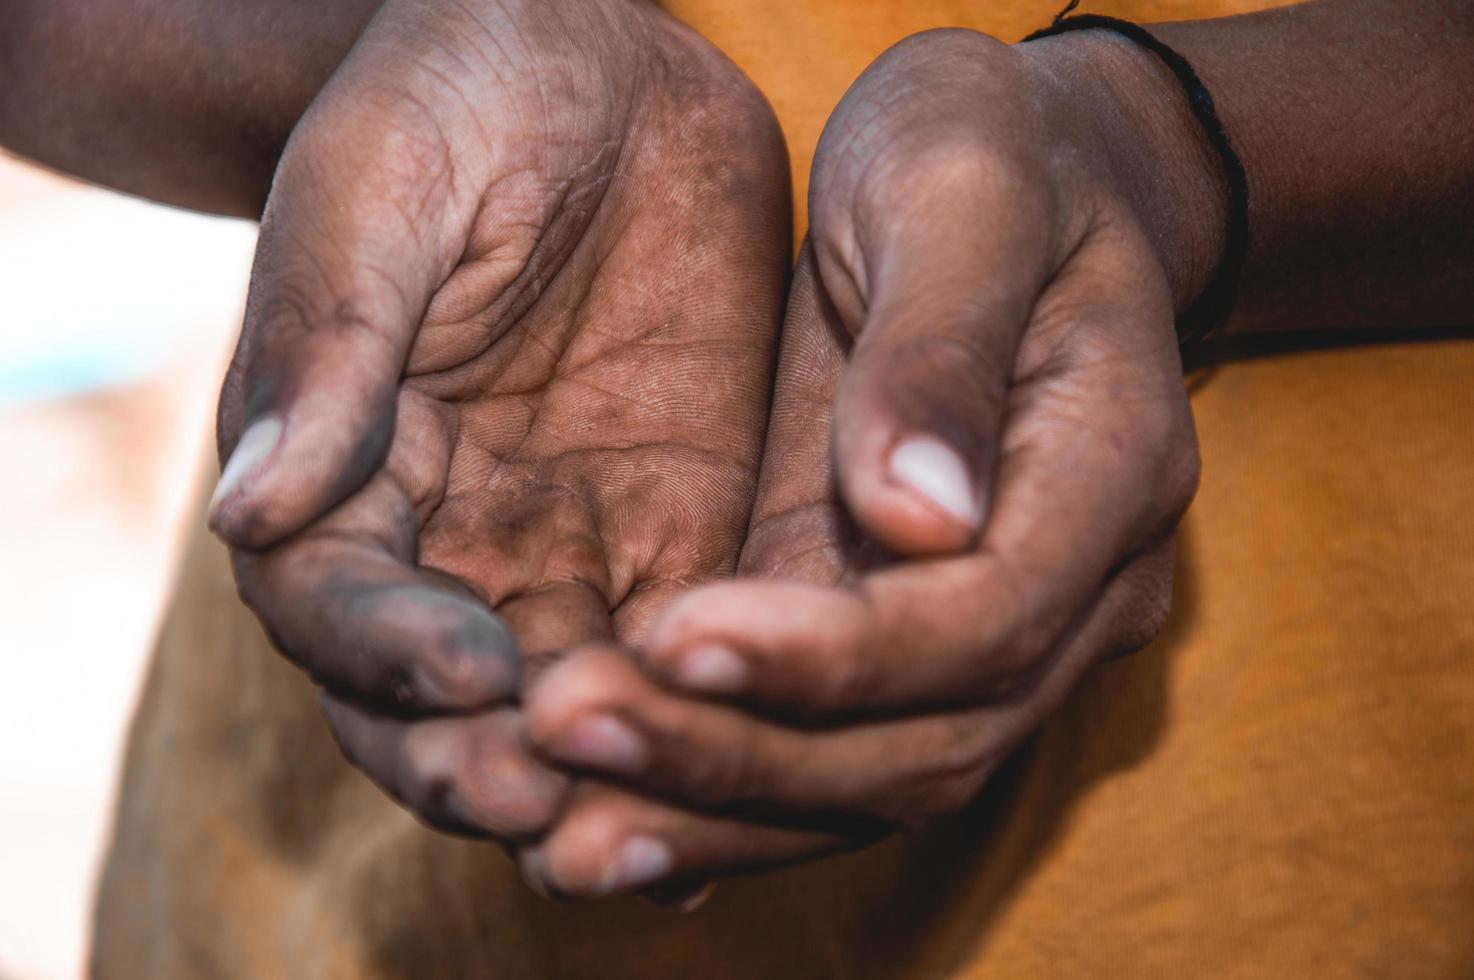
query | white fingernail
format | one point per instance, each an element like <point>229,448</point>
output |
<point>603,742</point>
<point>712,668</point>
<point>641,860</point>
<point>255,445</point>
<point>933,469</point>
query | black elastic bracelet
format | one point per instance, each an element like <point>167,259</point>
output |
<point>1213,306</point>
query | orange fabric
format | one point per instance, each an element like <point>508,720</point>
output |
<point>1281,786</point>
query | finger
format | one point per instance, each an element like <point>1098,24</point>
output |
<point>468,775</point>
<point>630,622</point>
<point>353,243</point>
<point>596,711</point>
<point>945,299</point>
<point>797,529</point>
<point>610,842</point>
<point>1088,476</point>
<point>344,602</point>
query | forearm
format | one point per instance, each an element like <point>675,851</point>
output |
<point>188,102</point>
<point>1353,122</point>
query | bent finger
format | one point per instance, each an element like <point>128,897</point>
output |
<point>344,601</point>
<point>354,241</point>
<point>467,775</point>
<point>1087,479</point>
<point>596,711</point>
<point>611,842</point>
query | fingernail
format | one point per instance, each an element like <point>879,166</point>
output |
<point>933,469</point>
<point>256,444</point>
<point>640,861</point>
<point>712,668</point>
<point>603,742</point>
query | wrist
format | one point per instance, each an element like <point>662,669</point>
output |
<point>1142,140</point>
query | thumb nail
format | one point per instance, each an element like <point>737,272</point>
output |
<point>256,444</point>
<point>934,470</point>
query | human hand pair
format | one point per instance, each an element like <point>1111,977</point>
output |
<point>1014,343</point>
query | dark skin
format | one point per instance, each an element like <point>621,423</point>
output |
<point>188,103</point>
<point>884,693</point>
<point>867,693</point>
<point>848,697</point>
<point>510,335</point>
<point>512,326</point>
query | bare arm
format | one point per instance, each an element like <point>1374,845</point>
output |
<point>183,101</point>
<point>1353,121</point>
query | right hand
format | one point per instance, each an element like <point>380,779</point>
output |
<point>504,372</point>
<point>989,329</point>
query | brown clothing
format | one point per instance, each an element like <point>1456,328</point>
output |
<point>1281,786</point>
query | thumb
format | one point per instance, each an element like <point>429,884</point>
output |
<point>921,405</point>
<point>340,286</point>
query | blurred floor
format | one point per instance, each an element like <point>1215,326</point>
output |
<point>115,318</point>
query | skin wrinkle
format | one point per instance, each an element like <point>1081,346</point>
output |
<point>1390,240</point>
<point>524,513</point>
<point>190,117</point>
<point>982,176</point>
<point>563,258</point>
<point>479,252</point>
<point>1036,637</point>
<point>568,348</point>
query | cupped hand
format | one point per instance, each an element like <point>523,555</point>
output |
<point>504,375</point>
<point>992,330</point>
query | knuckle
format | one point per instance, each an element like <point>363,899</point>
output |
<point>948,794</point>
<point>950,342</point>
<point>300,304</point>
<point>730,779</point>
<point>496,784</point>
<point>847,679</point>
<point>441,797</point>
<point>952,775</point>
<point>950,374</point>
<point>1018,645</point>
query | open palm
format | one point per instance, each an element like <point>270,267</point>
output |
<point>508,347</point>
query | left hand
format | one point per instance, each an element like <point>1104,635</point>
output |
<point>505,373</point>
<point>1048,456</point>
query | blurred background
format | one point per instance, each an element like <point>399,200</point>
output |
<point>116,319</point>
